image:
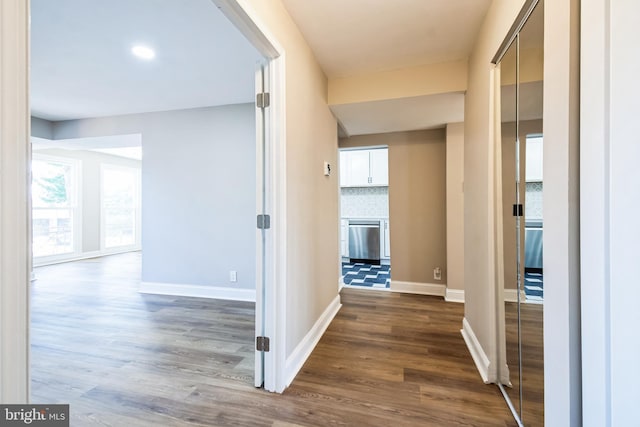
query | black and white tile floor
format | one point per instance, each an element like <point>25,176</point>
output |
<point>379,276</point>
<point>367,275</point>
<point>533,286</point>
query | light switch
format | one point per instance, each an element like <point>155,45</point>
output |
<point>327,169</point>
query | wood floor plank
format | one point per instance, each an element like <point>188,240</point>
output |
<point>120,358</point>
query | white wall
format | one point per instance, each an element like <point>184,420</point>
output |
<point>609,204</point>
<point>561,214</point>
<point>198,191</point>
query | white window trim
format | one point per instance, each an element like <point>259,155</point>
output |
<point>76,209</point>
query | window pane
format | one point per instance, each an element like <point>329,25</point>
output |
<point>119,206</point>
<point>52,232</point>
<point>52,184</point>
<point>53,204</point>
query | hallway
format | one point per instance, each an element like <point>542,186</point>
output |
<point>122,358</point>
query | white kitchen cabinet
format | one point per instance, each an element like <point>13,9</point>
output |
<point>357,168</point>
<point>379,167</point>
<point>386,252</point>
<point>343,168</point>
<point>344,238</point>
<point>364,168</point>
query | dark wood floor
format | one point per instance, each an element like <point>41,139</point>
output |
<point>125,359</point>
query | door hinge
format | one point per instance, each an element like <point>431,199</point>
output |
<point>263,100</point>
<point>264,222</point>
<point>262,343</point>
<point>517,210</point>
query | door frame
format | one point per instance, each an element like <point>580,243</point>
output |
<point>15,154</point>
<point>246,21</point>
<point>15,244</point>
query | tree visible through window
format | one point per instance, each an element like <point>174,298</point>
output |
<point>54,201</point>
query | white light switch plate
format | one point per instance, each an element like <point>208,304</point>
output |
<point>327,169</point>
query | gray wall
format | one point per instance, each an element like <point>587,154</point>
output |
<point>198,191</point>
<point>41,128</point>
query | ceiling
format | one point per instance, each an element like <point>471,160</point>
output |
<point>356,37</point>
<point>530,102</point>
<point>350,37</point>
<point>82,66</point>
<point>394,115</point>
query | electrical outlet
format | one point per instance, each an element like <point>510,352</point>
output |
<point>437,273</point>
<point>233,276</point>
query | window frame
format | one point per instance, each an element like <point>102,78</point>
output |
<point>75,208</point>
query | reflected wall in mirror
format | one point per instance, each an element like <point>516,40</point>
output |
<point>521,71</point>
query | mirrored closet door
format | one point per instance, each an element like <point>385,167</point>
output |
<point>520,63</point>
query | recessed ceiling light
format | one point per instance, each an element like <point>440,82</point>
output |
<point>143,52</point>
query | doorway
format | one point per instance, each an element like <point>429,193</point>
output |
<point>364,218</point>
<point>262,178</point>
<point>534,224</point>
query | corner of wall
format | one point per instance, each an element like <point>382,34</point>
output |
<point>479,243</point>
<point>304,349</point>
<point>477,352</point>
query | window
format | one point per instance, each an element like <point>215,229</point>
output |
<point>55,202</point>
<point>120,206</point>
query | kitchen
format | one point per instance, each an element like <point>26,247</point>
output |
<point>399,179</point>
<point>364,223</point>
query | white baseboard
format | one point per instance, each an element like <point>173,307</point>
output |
<point>511,295</point>
<point>418,288</point>
<point>454,295</point>
<point>477,353</point>
<point>79,257</point>
<point>198,291</point>
<point>303,350</point>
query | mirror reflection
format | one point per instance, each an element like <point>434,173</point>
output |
<point>509,110</point>
<point>521,72</point>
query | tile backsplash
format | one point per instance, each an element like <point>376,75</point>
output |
<point>364,202</point>
<point>533,201</point>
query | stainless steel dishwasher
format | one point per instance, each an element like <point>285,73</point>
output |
<point>364,240</point>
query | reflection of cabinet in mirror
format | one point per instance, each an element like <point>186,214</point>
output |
<point>520,66</point>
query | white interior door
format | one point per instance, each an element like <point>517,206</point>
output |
<point>262,228</point>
